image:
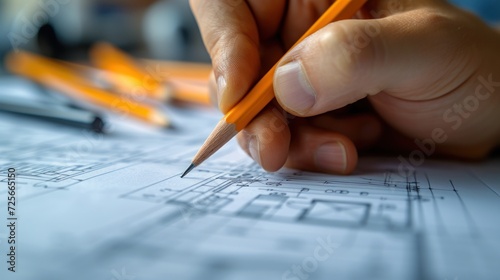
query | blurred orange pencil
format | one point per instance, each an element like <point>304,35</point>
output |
<point>62,78</point>
<point>164,71</point>
<point>133,77</point>
<point>187,91</point>
<point>173,70</point>
<point>186,82</point>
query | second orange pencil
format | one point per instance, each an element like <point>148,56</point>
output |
<point>59,77</point>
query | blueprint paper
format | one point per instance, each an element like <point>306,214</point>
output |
<point>114,207</point>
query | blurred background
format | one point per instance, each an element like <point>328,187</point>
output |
<point>147,28</point>
<point>67,28</point>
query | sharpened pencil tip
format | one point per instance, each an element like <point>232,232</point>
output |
<point>191,167</point>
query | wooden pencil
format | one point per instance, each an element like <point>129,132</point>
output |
<point>189,71</point>
<point>188,91</point>
<point>61,78</point>
<point>178,89</point>
<point>186,82</point>
<point>262,93</point>
<point>165,71</point>
<point>133,77</point>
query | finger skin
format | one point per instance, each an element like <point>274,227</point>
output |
<point>308,12</point>
<point>306,151</point>
<point>266,139</point>
<point>271,135</point>
<point>416,66</point>
<point>269,142</point>
<point>394,60</point>
<point>267,16</point>
<point>364,130</point>
<point>231,37</point>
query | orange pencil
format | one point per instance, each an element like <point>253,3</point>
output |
<point>173,70</point>
<point>100,76</point>
<point>182,81</point>
<point>262,93</point>
<point>165,71</point>
<point>188,91</point>
<point>133,77</point>
<point>61,78</point>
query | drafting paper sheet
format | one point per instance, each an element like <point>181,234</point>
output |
<point>113,207</point>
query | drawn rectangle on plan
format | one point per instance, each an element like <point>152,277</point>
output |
<point>262,205</point>
<point>336,213</point>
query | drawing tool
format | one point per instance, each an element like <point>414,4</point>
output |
<point>187,91</point>
<point>179,89</point>
<point>49,112</point>
<point>165,71</point>
<point>133,77</point>
<point>189,71</point>
<point>262,93</point>
<point>114,81</point>
<point>61,78</point>
<point>186,82</point>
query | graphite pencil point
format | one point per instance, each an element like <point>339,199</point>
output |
<point>191,167</point>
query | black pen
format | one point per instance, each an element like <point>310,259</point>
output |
<point>49,112</point>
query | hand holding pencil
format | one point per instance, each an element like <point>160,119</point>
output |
<point>402,63</point>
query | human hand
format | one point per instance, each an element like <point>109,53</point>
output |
<point>429,70</point>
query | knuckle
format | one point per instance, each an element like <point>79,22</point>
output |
<point>443,25</point>
<point>230,44</point>
<point>451,34</point>
<point>352,45</point>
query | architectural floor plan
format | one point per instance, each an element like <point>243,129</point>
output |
<point>113,206</point>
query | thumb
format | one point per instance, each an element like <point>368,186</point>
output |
<point>407,55</point>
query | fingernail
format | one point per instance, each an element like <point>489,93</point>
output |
<point>293,88</point>
<point>221,87</point>
<point>331,156</point>
<point>253,147</point>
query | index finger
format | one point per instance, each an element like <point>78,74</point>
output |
<point>231,35</point>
